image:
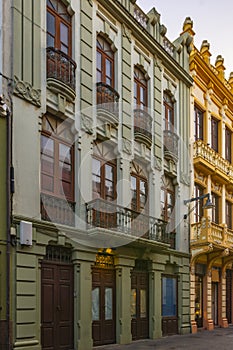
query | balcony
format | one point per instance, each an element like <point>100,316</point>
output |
<point>170,144</point>
<point>207,232</point>
<point>61,72</point>
<point>107,102</point>
<point>142,126</point>
<point>206,159</point>
<point>57,210</point>
<point>103,214</point>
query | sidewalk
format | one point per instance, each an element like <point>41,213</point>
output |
<point>218,339</point>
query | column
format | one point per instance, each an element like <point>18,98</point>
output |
<point>207,293</point>
<point>192,299</point>
<point>123,299</point>
<point>83,300</point>
<point>155,304</point>
<point>223,319</point>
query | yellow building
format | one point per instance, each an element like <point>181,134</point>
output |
<point>211,232</point>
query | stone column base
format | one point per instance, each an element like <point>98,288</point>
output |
<point>193,326</point>
<point>210,325</point>
<point>224,323</point>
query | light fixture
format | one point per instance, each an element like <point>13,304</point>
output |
<point>208,204</point>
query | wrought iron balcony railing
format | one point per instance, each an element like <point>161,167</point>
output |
<point>142,124</point>
<point>170,144</point>
<point>104,214</point>
<point>57,210</point>
<point>60,67</point>
<point>107,98</point>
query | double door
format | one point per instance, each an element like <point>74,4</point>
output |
<point>139,305</point>
<point>103,306</point>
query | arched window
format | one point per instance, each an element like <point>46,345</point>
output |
<point>58,26</point>
<point>139,189</point>
<point>168,202</point>
<point>104,62</point>
<point>140,89</point>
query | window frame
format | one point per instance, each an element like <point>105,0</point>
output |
<point>198,209</point>
<point>168,107</point>
<point>104,57</point>
<point>229,216</point>
<point>215,134</point>
<point>103,178</point>
<point>57,179</point>
<point>228,144</point>
<point>198,123</point>
<point>57,35</point>
<point>140,177</point>
<point>141,82</point>
<point>215,210</point>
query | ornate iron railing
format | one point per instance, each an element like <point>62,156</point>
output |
<point>104,214</point>
<point>142,123</point>
<point>57,210</point>
<point>107,98</point>
<point>60,67</point>
<point>170,143</point>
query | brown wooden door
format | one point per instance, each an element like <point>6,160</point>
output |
<point>139,305</point>
<point>57,306</point>
<point>229,295</point>
<point>103,306</point>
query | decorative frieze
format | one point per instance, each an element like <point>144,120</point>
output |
<point>27,92</point>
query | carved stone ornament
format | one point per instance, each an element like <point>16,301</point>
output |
<point>25,91</point>
<point>86,123</point>
<point>157,163</point>
<point>126,146</point>
<point>127,33</point>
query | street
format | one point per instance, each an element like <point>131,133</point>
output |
<point>218,339</point>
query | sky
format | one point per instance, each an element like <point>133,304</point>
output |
<point>212,21</point>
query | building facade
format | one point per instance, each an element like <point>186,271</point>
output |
<point>211,229</point>
<point>100,110</point>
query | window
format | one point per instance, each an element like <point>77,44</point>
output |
<point>228,144</point>
<point>57,171</point>
<point>198,209</point>
<point>169,296</point>
<point>168,112</point>
<point>215,210</point>
<point>229,214</point>
<point>58,26</point>
<point>140,89</point>
<point>103,174</point>
<point>139,190</point>
<point>198,124</point>
<point>168,202</point>
<point>214,134</point>
<point>104,62</point>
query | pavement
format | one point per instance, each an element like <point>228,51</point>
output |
<point>218,339</point>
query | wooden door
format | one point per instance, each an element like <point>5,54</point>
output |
<point>57,306</point>
<point>215,302</point>
<point>103,306</point>
<point>229,296</point>
<point>139,305</point>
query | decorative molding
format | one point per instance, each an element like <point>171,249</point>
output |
<point>127,33</point>
<point>185,179</point>
<point>86,123</point>
<point>126,146</point>
<point>157,163</point>
<point>26,91</point>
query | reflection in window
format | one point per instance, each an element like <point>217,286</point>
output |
<point>133,302</point>
<point>108,303</point>
<point>142,303</point>
<point>169,299</point>
<point>95,304</point>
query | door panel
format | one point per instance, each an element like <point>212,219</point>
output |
<point>103,306</point>
<point>57,306</point>
<point>139,305</point>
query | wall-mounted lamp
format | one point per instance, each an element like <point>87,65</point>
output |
<point>208,204</point>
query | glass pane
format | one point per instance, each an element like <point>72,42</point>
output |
<point>64,153</point>
<point>98,61</point>
<point>108,303</point>
<point>133,303</point>
<point>50,41</point>
<point>95,166</point>
<point>108,81</point>
<point>50,23</point>
<point>168,296</point>
<point>96,304</point>
<point>47,146</point>
<point>108,172</point>
<point>142,95</point>
<point>133,183</point>
<point>64,34</point>
<point>143,303</point>
<point>47,183</point>
<point>64,49</point>
<point>47,164</point>
<point>108,68</point>
<point>109,192</point>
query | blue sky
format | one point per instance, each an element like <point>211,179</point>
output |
<point>212,21</point>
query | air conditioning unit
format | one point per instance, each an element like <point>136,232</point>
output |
<point>25,230</point>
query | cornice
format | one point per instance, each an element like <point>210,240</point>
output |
<point>139,32</point>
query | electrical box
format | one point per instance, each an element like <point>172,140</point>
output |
<point>25,229</point>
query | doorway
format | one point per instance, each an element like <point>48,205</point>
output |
<point>103,306</point>
<point>215,302</point>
